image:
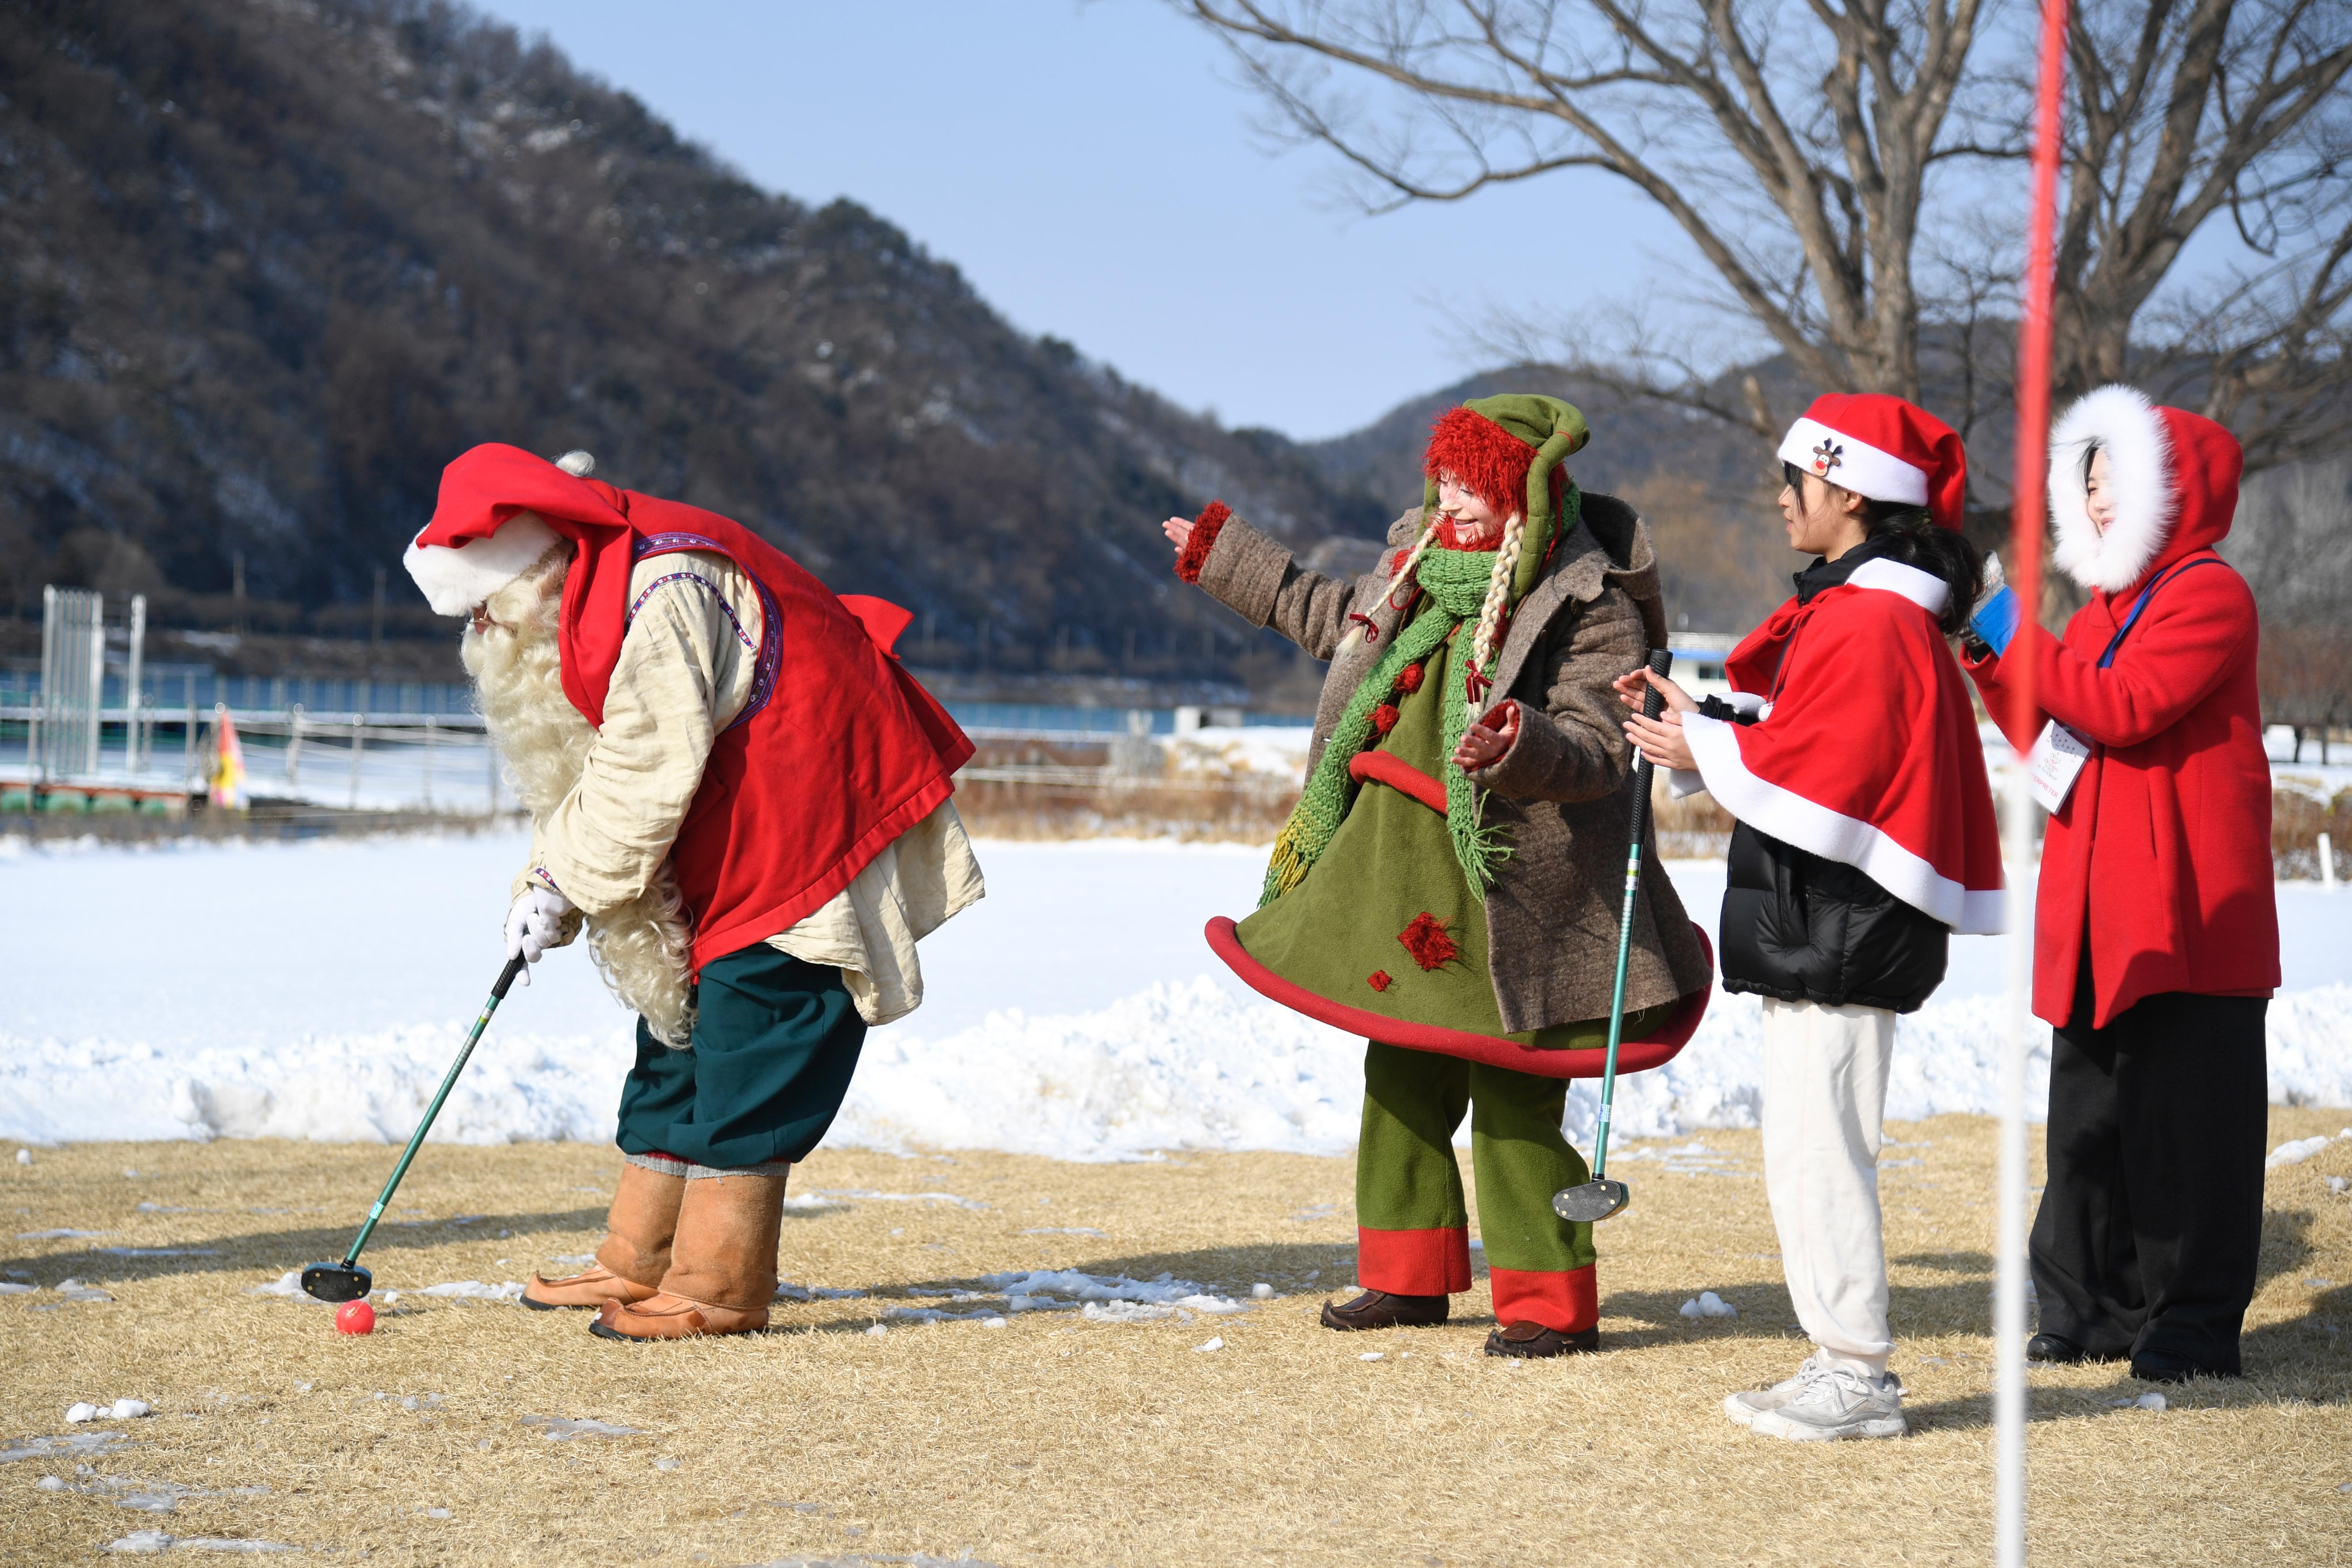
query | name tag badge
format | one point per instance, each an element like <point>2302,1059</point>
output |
<point>2055,761</point>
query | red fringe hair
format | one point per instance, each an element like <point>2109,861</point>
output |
<point>1484,459</point>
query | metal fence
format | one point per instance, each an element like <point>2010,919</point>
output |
<point>64,736</point>
<point>186,686</point>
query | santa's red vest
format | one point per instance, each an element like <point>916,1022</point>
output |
<point>838,749</point>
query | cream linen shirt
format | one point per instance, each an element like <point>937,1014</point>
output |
<point>684,672</point>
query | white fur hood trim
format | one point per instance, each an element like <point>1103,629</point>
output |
<point>2139,477</point>
<point>456,579</point>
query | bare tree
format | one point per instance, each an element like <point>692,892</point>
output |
<point>2292,540</point>
<point>1830,161</point>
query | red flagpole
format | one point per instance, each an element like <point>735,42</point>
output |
<point>2029,506</point>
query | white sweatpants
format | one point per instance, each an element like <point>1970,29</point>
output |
<point>1824,1100</point>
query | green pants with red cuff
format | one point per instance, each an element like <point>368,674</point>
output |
<point>1413,1225</point>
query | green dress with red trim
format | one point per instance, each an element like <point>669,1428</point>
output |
<point>1386,921</point>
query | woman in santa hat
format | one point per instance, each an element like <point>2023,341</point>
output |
<point>1460,841</point>
<point>2155,926</point>
<point>1849,756</point>
<point>744,798</point>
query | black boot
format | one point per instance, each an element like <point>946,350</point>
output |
<point>2156,1366</point>
<point>2050,1350</point>
<point>1533,1341</point>
<point>1379,1309</point>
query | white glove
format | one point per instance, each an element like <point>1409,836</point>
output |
<point>1993,581</point>
<point>534,924</point>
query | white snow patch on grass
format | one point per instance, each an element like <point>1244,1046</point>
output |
<point>563,1428</point>
<point>2296,1150</point>
<point>80,1444</point>
<point>473,1291</point>
<point>143,1542</point>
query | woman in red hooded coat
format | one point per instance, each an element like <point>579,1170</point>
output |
<point>2156,931</point>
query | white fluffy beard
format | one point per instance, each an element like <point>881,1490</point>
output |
<point>642,947</point>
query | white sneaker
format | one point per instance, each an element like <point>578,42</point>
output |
<point>1836,1403</point>
<point>1749,1403</point>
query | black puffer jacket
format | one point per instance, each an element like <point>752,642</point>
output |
<point>1803,929</point>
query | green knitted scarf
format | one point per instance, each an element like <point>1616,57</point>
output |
<point>1456,581</point>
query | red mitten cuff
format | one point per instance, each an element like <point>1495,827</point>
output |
<point>1205,529</point>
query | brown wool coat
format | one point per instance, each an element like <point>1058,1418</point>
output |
<point>1563,791</point>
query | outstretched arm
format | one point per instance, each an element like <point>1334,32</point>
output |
<point>1257,579</point>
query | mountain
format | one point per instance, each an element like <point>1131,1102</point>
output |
<point>269,265</point>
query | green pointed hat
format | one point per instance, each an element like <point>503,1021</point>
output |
<point>1509,446</point>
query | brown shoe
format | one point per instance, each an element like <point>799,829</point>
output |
<point>635,1254</point>
<point>666,1316</point>
<point>722,1270</point>
<point>1380,1310</point>
<point>591,1287</point>
<point>1533,1341</point>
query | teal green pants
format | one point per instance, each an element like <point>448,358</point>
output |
<point>776,1041</point>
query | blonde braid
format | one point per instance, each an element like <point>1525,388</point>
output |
<point>1412,557</point>
<point>1499,595</point>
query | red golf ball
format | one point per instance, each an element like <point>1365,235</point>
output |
<point>355,1318</point>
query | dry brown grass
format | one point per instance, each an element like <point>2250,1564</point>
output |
<point>1055,1440</point>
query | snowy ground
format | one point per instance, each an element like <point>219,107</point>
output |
<point>319,990</point>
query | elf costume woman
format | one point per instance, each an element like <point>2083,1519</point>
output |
<point>1448,883</point>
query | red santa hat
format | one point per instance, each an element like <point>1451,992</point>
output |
<point>458,568</point>
<point>1882,448</point>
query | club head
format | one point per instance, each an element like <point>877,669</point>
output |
<point>1594,1201</point>
<point>337,1281</point>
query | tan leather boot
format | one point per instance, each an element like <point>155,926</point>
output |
<point>722,1274</point>
<point>635,1251</point>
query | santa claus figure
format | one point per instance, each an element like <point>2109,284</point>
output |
<point>743,799</point>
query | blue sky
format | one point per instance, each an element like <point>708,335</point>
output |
<point>1093,170</point>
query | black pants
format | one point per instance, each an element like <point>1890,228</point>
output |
<point>2151,1223</point>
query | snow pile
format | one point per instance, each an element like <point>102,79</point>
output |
<point>1074,1012</point>
<point>1177,1066</point>
<point>1271,753</point>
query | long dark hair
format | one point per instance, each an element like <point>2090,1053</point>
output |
<point>1908,533</point>
<point>1945,552</point>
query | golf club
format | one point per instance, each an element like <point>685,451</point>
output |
<point>346,1280</point>
<point>1600,1197</point>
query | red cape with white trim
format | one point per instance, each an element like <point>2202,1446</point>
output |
<point>1868,754</point>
